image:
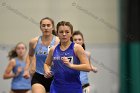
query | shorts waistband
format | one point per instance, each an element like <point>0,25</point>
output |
<point>85,85</point>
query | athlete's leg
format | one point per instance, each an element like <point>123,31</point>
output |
<point>11,91</point>
<point>38,88</point>
<point>86,89</point>
<point>29,91</point>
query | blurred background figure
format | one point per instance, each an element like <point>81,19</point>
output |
<point>77,37</point>
<point>15,70</point>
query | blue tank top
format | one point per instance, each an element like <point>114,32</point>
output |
<point>41,53</point>
<point>84,77</point>
<point>20,82</point>
<point>66,80</point>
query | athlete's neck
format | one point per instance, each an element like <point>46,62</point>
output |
<point>20,58</point>
<point>47,38</point>
<point>65,45</point>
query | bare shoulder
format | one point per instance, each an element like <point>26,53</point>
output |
<point>78,49</point>
<point>33,42</point>
<point>12,62</point>
<point>57,40</point>
<point>77,46</point>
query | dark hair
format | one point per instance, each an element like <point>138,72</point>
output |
<point>79,33</point>
<point>53,31</point>
<point>13,53</point>
<point>64,23</point>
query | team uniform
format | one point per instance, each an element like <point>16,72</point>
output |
<point>66,80</point>
<point>84,81</point>
<point>41,53</point>
<point>19,82</point>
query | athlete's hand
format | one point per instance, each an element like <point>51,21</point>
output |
<point>26,74</point>
<point>19,69</point>
<point>66,61</point>
<point>48,74</point>
<point>32,71</point>
<point>94,69</point>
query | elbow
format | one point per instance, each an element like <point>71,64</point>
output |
<point>91,68</point>
<point>4,77</point>
<point>88,69</point>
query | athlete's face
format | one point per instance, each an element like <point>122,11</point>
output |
<point>46,27</point>
<point>21,50</point>
<point>78,39</point>
<point>64,33</point>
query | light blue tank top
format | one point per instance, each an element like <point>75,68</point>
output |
<point>84,77</point>
<point>41,53</point>
<point>66,80</point>
<point>20,82</point>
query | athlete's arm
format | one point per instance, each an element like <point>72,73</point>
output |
<point>57,41</point>
<point>30,54</point>
<point>48,63</point>
<point>8,72</point>
<point>32,66</point>
<point>93,68</point>
<point>30,57</point>
<point>84,62</point>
